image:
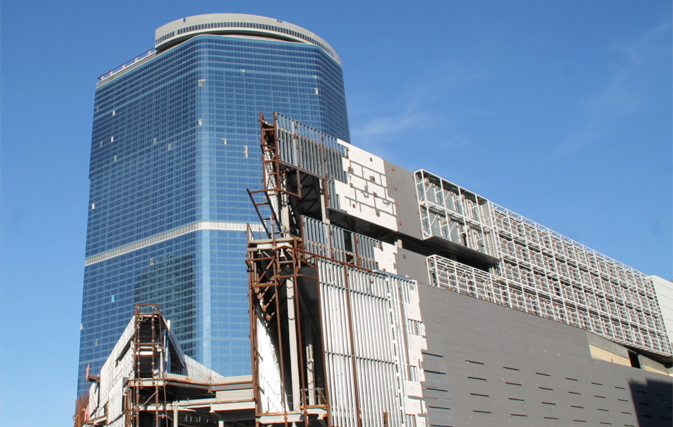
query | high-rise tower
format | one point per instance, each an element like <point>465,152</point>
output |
<point>175,145</point>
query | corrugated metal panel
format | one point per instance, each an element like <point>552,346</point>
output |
<point>343,245</point>
<point>363,323</point>
<point>309,149</point>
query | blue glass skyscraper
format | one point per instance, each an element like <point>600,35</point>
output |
<point>175,145</point>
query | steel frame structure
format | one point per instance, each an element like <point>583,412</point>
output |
<point>144,389</point>
<point>540,271</point>
<point>454,214</point>
<point>592,290</point>
<point>276,265</point>
<point>306,275</point>
<point>148,382</point>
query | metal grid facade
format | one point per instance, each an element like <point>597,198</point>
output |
<point>539,271</point>
<point>454,214</point>
<point>586,288</point>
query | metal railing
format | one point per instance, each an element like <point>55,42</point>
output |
<point>127,64</point>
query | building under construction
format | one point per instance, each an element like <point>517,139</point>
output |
<point>149,381</point>
<point>382,297</point>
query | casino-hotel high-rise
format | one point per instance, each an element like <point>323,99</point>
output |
<point>175,145</point>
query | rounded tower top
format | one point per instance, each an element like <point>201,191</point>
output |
<point>240,25</point>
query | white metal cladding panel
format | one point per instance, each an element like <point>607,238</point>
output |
<point>294,127</point>
<point>366,247</point>
<point>338,245</point>
<point>335,242</point>
<point>341,386</point>
<point>414,306</point>
<point>664,291</point>
<point>268,371</point>
<point>372,341</point>
<point>377,316</point>
<point>414,403</point>
<point>335,311</point>
<point>400,296</point>
<point>371,284</point>
<point>115,405</point>
<point>315,236</point>
<point>112,371</point>
<point>333,196</point>
<point>93,404</point>
<point>310,149</point>
<point>123,369</point>
<point>378,393</point>
<point>309,155</point>
<point>105,384</point>
<point>120,422</point>
<point>384,254</point>
<point>365,194</point>
<point>367,201</point>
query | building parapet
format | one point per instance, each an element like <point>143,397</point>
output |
<point>237,24</point>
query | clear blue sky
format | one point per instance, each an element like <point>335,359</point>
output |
<point>558,110</point>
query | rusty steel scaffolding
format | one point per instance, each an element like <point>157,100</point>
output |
<point>145,388</point>
<point>148,382</point>
<point>273,270</point>
<point>81,410</point>
<point>276,266</point>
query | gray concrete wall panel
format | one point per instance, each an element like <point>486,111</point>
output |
<point>411,264</point>
<point>402,188</point>
<point>499,366</point>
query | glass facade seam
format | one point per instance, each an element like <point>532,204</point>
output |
<point>203,225</point>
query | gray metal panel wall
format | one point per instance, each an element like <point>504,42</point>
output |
<point>411,264</point>
<point>402,187</point>
<point>503,367</point>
